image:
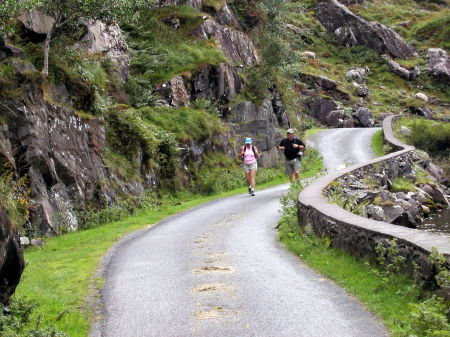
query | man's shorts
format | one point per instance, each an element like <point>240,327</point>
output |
<point>250,167</point>
<point>292,166</point>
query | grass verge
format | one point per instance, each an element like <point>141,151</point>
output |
<point>378,143</point>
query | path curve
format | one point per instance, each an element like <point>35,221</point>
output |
<point>218,271</point>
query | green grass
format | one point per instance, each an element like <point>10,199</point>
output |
<point>160,52</point>
<point>402,185</point>
<point>390,301</point>
<point>378,143</point>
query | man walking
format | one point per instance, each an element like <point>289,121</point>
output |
<point>292,147</point>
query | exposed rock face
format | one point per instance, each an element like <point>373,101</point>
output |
<point>8,51</point>
<point>62,155</point>
<point>352,30</point>
<point>220,83</point>
<point>236,46</point>
<point>107,40</point>
<point>11,259</point>
<point>403,72</point>
<point>37,22</point>
<point>439,64</point>
<point>320,108</point>
<point>180,96</point>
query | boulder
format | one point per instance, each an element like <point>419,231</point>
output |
<point>439,64</point>
<point>375,212</point>
<point>37,22</point>
<point>353,30</point>
<point>422,111</point>
<point>11,258</point>
<point>405,130</point>
<point>109,41</point>
<point>320,108</point>
<point>436,172</point>
<point>365,117</point>
<point>403,72</point>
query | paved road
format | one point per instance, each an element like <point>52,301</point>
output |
<point>218,271</point>
<point>343,147</point>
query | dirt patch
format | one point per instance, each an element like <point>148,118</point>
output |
<point>212,287</point>
<point>216,312</point>
<point>209,269</point>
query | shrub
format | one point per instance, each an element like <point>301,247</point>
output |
<point>14,198</point>
<point>359,55</point>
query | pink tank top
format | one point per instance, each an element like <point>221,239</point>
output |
<point>249,156</point>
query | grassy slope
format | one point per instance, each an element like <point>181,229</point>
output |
<point>333,60</point>
<point>378,143</point>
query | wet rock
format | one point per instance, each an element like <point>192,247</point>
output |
<point>353,30</point>
<point>439,65</point>
<point>403,72</point>
<point>107,40</point>
<point>11,258</point>
<point>365,117</point>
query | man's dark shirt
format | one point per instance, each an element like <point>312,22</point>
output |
<point>289,151</point>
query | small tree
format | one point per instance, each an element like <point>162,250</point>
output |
<point>65,11</point>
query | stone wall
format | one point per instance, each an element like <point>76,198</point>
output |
<point>359,236</point>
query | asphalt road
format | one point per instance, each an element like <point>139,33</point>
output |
<point>218,271</point>
<point>343,147</point>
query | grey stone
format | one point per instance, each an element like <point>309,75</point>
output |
<point>356,74</point>
<point>375,212</point>
<point>405,130</point>
<point>24,241</point>
<point>108,40</point>
<point>36,22</point>
<point>235,45</point>
<point>320,108</point>
<point>403,72</point>
<point>365,117</point>
<point>37,242</point>
<point>439,65</point>
<point>353,30</point>
<point>179,94</point>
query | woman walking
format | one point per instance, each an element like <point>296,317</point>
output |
<point>249,153</point>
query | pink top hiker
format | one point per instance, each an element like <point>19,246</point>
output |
<point>249,155</point>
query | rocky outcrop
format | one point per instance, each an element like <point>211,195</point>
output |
<point>352,30</point>
<point>439,65</point>
<point>235,45</point>
<point>109,41</point>
<point>403,72</point>
<point>62,156</point>
<point>197,4</point>
<point>220,83</point>
<point>36,22</point>
<point>11,258</point>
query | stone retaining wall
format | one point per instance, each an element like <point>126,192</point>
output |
<point>359,236</point>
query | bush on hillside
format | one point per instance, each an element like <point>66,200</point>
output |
<point>431,137</point>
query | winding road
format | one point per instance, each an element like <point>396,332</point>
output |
<point>218,271</point>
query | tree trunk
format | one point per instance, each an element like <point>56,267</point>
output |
<point>48,39</point>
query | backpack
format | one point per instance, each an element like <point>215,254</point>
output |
<point>254,152</point>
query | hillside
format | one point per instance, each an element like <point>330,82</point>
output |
<point>161,103</point>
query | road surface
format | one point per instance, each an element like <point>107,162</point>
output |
<point>218,271</point>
